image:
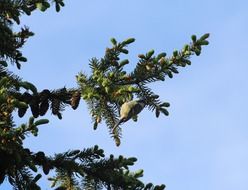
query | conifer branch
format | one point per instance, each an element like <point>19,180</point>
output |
<point>109,85</point>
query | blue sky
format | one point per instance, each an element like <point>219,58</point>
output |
<point>203,143</point>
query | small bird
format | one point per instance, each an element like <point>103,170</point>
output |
<point>129,110</point>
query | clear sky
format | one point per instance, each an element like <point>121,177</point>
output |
<point>203,143</point>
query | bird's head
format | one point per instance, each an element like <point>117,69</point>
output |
<point>142,102</point>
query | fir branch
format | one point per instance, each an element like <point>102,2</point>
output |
<point>109,85</point>
<point>73,171</point>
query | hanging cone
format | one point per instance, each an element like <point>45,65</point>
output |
<point>44,95</point>
<point>43,107</point>
<point>34,105</point>
<point>75,99</point>
<point>22,111</point>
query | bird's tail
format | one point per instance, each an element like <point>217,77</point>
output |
<point>116,125</point>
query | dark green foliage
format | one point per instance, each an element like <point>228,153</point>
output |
<point>104,90</point>
<point>11,42</point>
<point>96,170</point>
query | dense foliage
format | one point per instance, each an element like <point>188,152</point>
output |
<point>105,89</point>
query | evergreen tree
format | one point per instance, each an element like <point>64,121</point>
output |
<point>105,90</point>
